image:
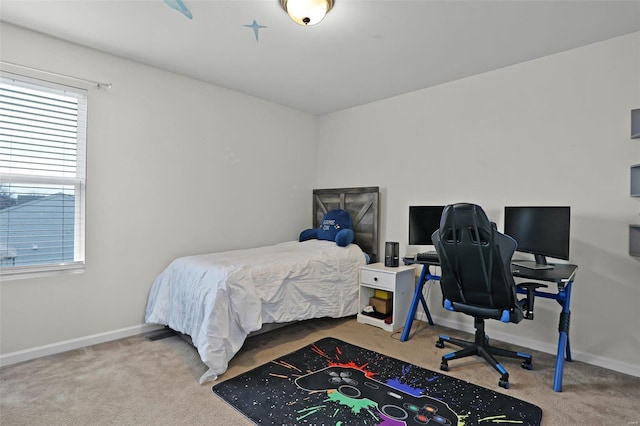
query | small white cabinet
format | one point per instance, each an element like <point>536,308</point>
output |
<point>399,280</point>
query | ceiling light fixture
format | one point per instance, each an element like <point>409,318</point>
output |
<point>306,12</point>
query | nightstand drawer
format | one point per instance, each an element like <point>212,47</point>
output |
<point>380,280</point>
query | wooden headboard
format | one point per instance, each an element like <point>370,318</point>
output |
<point>362,204</point>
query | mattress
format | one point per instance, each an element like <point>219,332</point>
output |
<point>219,298</point>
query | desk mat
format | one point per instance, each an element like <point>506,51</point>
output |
<point>331,382</point>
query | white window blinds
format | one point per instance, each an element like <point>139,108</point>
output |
<point>42,176</point>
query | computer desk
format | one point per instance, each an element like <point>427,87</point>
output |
<point>561,274</point>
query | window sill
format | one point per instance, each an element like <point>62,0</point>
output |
<point>35,271</point>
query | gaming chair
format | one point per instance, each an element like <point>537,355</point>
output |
<point>476,280</point>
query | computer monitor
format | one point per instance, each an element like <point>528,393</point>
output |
<point>423,221</point>
<point>541,231</point>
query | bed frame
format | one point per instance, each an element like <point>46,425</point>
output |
<point>362,203</point>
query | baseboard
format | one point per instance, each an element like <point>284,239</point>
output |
<point>546,347</point>
<point>68,345</point>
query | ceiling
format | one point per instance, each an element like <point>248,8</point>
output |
<point>363,51</point>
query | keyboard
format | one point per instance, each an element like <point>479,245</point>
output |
<point>427,256</point>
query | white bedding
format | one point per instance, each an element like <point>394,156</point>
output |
<point>219,298</point>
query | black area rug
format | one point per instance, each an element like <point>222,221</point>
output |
<point>331,382</point>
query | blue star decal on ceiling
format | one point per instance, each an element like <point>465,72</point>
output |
<point>180,7</point>
<point>256,27</point>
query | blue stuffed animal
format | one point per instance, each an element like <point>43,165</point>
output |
<point>336,226</point>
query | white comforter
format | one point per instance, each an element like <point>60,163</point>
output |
<point>219,298</point>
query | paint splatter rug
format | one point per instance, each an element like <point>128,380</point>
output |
<point>331,382</point>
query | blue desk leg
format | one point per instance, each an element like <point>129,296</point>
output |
<point>563,340</point>
<point>417,298</point>
<point>425,307</point>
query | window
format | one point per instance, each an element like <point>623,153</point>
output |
<point>42,176</point>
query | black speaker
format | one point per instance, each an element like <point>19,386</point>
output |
<point>392,254</point>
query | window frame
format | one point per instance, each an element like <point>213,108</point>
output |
<point>78,181</point>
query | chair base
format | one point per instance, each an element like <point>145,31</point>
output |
<point>482,348</point>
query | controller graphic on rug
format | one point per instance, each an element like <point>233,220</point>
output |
<point>393,403</point>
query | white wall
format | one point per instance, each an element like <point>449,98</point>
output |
<point>175,167</point>
<point>553,131</point>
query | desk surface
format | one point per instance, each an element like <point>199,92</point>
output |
<point>561,272</point>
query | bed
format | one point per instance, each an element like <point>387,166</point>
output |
<point>219,299</point>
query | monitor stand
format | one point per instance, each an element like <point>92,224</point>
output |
<point>530,264</point>
<point>538,264</point>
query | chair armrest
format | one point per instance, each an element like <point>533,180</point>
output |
<point>527,304</point>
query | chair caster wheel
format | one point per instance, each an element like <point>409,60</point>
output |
<point>444,366</point>
<point>503,383</point>
<point>526,364</point>
<point>440,344</point>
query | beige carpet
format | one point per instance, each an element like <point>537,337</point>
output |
<point>135,381</point>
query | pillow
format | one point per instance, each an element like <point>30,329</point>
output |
<point>336,226</point>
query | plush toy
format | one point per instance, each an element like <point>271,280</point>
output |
<point>336,226</point>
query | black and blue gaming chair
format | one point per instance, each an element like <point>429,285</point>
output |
<point>476,280</point>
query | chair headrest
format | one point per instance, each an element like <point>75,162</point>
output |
<point>465,217</point>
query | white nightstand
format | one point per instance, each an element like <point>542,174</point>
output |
<point>399,280</point>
